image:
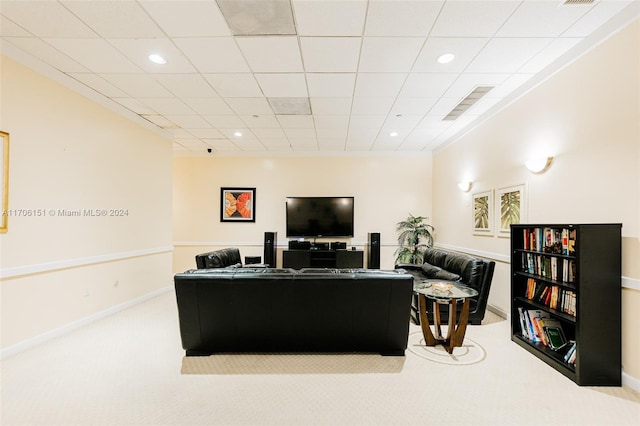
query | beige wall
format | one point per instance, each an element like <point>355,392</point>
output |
<point>68,153</point>
<point>587,116</point>
<point>386,190</point>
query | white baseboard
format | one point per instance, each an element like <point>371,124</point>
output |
<point>44,337</point>
<point>630,382</point>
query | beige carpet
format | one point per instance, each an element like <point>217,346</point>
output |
<point>129,369</point>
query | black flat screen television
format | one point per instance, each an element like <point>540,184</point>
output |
<point>319,216</point>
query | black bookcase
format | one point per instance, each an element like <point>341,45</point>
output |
<point>580,268</point>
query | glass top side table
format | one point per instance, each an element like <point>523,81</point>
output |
<point>442,293</point>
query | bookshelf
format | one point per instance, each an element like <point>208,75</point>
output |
<point>568,278</point>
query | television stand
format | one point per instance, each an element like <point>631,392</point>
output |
<point>298,259</point>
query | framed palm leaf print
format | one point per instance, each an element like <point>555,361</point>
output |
<point>483,213</point>
<point>511,205</point>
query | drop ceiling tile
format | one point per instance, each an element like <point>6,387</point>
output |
<point>322,106</point>
<point>295,134</point>
<point>541,19</point>
<point>271,54</point>
<point>337,123</point>
<point>371,106</point>
<point>379,84</point>
<point>507,55</point>
<point>205,54</point>
<point>137,85</point>
<point>272,134</point>
<point>600,13</point>
<point>303,142</point>
<point>295,121</point>
<point>366,124</point>
<point>115,19</point>
<point>469,81</point>
<point>389,54</point>
<point>464,49</point>
<point>427,85</point>
<point>473,18</point>
<point>94,54</point>
<point>53,57</point>
<point>483,105</point>
<point>179,148</point>
<point>166,106</point>
<point>550,53</point>
<point>330,54</point>
<point>235,85</point>
<point>213,106</point>
<point>412,106</point>
<point>186,85</point>
<point>225,121</point>
<point>402,122</point>
<point>330,85</point>
<point>283,85</point>
<point>9,29</point>
<point>281,141</point>
<point>331,143</point>
<point>264,121</point>
<point>100,85</point>
<point>135,106</point>
<point>207,134</point>
<point>342,18</point>
<point>138,52</point>
<point>46,19</point>
<point>249,106</point>
<point>160,121</point>
<point>401,18</point>
<point>222,145</point>
<point>195,18</point>
<point>189,122</point>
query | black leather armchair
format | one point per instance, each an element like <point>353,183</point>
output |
<point>444,265</point>
<point>223,258</point>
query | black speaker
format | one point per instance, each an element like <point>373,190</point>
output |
<point>337,245</point>
<point>373,250</point>
<point>270,252</point>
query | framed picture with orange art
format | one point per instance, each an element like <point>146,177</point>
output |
<point>237,204</point>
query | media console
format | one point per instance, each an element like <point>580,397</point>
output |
<point>298,259</point>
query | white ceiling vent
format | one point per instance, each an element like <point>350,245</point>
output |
<point>258,17</point>
<point>469,100</point>
<point>577,2</point>
<point>290,106</point>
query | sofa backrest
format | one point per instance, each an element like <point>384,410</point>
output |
<point>470,269</point>
<point>260,309</point>
<point>219,258</point>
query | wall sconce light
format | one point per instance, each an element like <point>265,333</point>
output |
<point>465,186</point>
<point>538,165</point>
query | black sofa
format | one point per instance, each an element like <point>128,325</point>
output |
<point>284,310</point>
<point>223,258</point>
<point>450,266</point>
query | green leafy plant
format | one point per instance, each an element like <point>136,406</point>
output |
<point>414,237</point>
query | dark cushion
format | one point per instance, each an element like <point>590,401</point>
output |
<point>431,271</point>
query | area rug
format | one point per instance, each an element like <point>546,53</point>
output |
<point>469,353</point>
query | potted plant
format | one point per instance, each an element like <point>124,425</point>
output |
<point>414,237</point>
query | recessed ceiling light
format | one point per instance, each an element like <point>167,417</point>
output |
<point>237,134</point>
<point>157,59</point>
<point>393,134</point>
<point>446,58</point>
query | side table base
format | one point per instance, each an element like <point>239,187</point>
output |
<point>455,331</point>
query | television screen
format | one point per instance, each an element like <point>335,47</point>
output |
<point>319,216</point>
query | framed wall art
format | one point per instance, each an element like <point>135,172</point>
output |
<point>237,204</point>
<point>483,213</point>
<point>512,207</point>
<point>4,184</point>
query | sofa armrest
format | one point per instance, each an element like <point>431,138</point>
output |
<point>408,266</point>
